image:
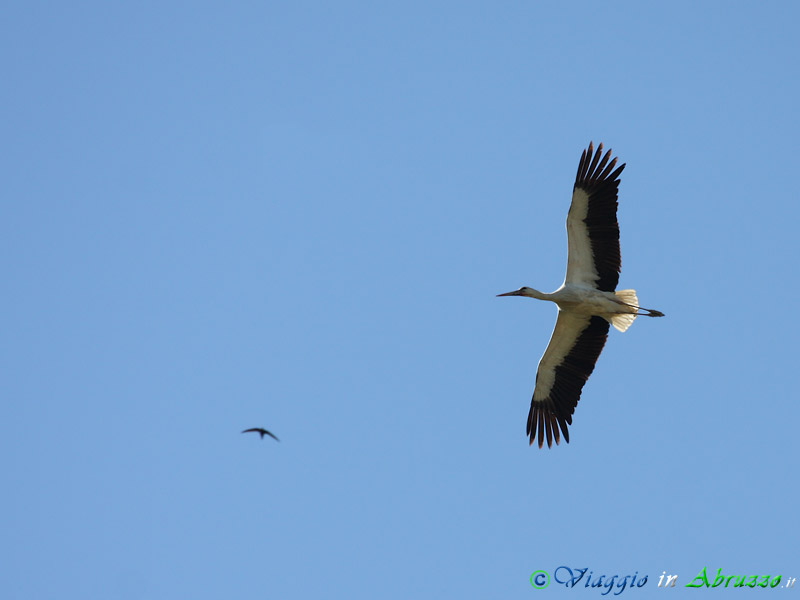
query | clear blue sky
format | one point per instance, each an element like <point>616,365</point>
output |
<point>297,215</point>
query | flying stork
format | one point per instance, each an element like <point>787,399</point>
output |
<point>587,301</point>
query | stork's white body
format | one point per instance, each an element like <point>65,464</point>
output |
<point>584,300</point>
<point>587,300</point>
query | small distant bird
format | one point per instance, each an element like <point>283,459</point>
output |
<point>262,432</point>
<point>588,301</point>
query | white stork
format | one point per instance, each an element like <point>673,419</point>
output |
<point>587,300</point>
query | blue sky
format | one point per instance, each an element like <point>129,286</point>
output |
<point>218,216</point>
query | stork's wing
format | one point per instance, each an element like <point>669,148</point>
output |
<point>567,362</point>
<point>592,228</point>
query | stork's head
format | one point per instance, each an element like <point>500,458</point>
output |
<point>523,291</point>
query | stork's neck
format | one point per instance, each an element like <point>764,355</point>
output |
<point>532,293</point>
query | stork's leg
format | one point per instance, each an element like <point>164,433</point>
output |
<point>649,312</point>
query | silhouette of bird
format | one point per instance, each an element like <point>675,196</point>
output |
<point>262,432</point>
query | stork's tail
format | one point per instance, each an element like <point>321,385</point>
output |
<point>624,320</point>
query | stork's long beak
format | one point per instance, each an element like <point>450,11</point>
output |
<point>514,293</point>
